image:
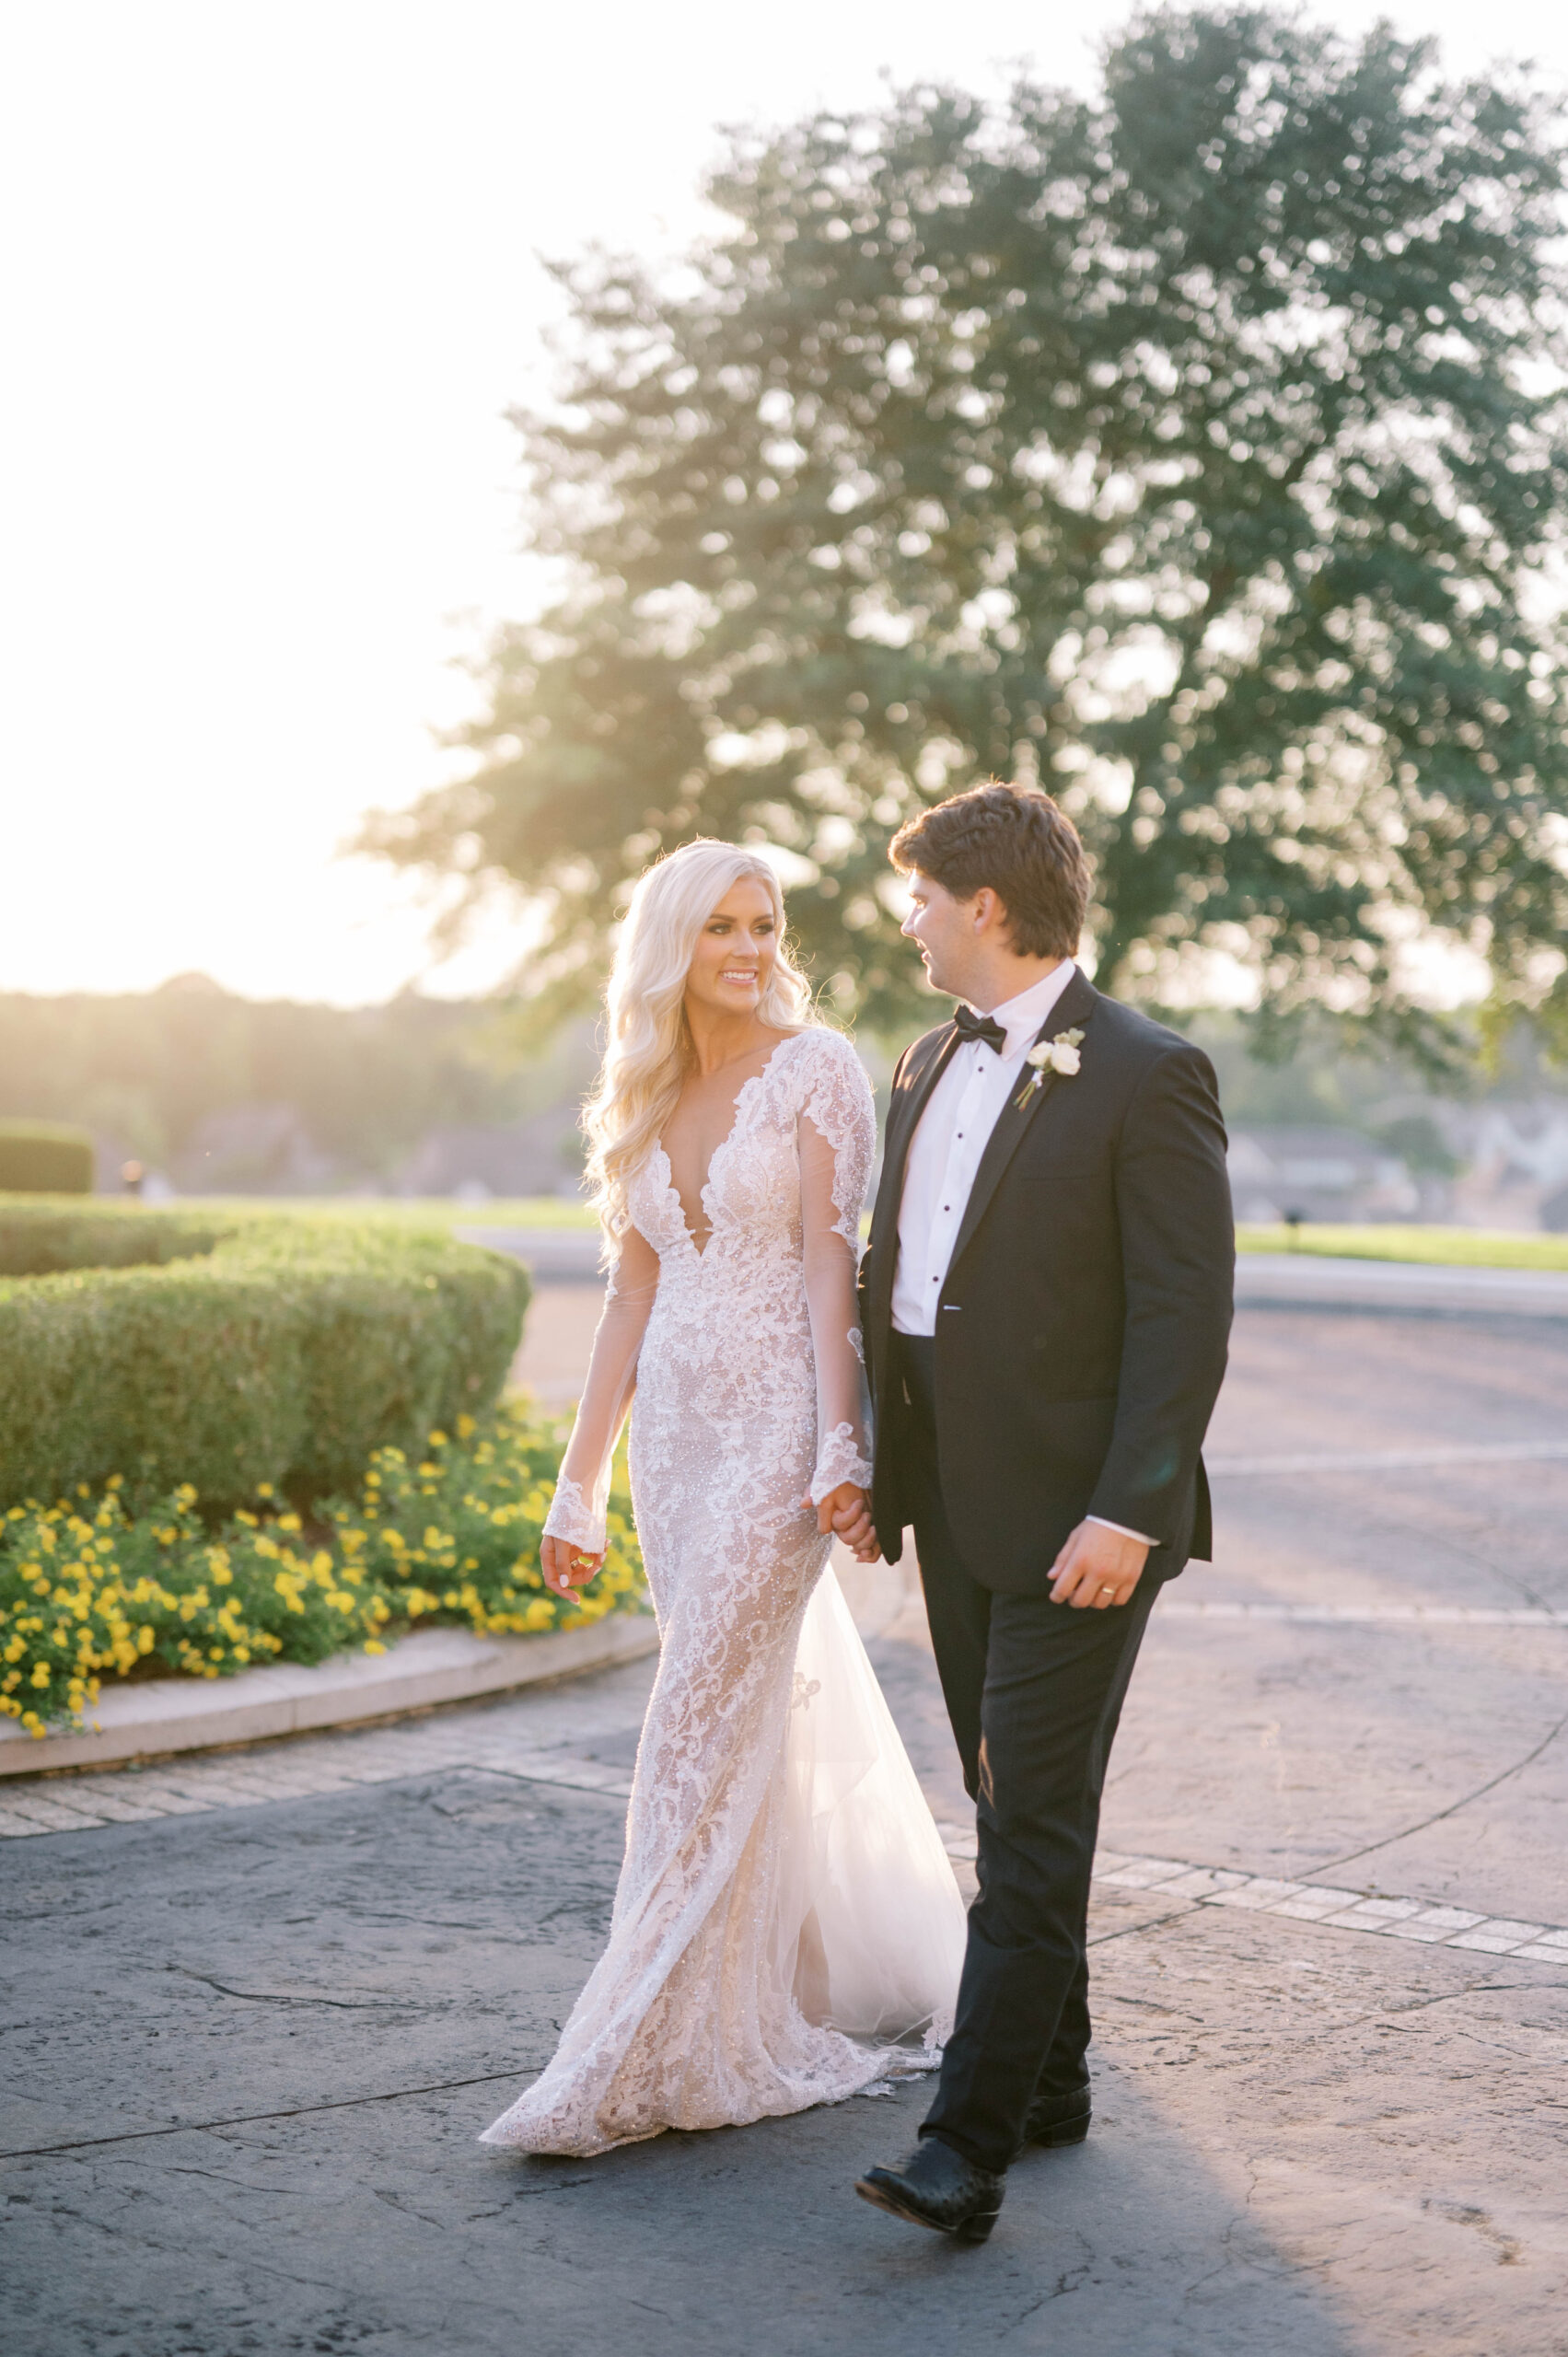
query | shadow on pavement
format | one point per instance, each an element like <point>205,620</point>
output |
<point>220,1995</point>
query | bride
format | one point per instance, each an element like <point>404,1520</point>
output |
<point>785,1911</point>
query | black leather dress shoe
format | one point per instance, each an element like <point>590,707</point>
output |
<point>937,2188</point>
<point>1054,2120</point>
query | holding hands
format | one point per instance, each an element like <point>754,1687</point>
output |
<point>846,1512</point>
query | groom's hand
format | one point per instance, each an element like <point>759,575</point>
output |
<point>1097,1567</point>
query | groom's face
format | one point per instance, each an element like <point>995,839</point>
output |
<point>943,930</point>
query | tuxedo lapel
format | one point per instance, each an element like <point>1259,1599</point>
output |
<point>1072,1012</point>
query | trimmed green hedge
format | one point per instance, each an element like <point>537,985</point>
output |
<point>43,1239</point>
<point>44,1157</point>
<point>170,1347</point>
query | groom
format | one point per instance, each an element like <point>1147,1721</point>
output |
<point>1046,1301</point>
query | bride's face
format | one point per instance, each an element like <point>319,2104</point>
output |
<point>734,952</point>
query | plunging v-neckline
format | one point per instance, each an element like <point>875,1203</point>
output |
<point>727,1139</point>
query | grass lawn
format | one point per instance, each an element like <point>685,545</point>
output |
<point>1451,1248</point>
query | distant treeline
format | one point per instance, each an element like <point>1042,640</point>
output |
<point>146,1073</point>
<point>229,1094</point>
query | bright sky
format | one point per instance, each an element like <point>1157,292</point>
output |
<point>269,284</point>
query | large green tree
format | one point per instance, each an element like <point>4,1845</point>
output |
<point>1197,448</point>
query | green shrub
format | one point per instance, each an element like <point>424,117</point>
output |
<point>90,1589</point>
<point>43,1239</point>
<point>44,1158</point>
<point>223,1353</point>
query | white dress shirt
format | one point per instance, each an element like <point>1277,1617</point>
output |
<point>944,1155</point>
<point>951,1135</point>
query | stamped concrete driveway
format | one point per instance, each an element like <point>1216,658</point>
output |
<point>258,2007</point>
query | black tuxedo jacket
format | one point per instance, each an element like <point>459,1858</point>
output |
<point>1082,1330</point>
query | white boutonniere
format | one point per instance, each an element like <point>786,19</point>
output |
<point>1058,1056</point>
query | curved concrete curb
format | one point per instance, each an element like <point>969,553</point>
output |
<point>173,1715</point>
<point>1310,1280</point>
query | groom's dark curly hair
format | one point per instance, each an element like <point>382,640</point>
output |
<point>1020,842</point>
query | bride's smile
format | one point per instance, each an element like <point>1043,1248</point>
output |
<point>733,962</point>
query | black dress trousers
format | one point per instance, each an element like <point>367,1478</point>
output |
<point>1034,1692</point>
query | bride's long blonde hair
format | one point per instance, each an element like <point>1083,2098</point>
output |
<point>648,1052</point>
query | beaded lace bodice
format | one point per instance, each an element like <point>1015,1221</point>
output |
<point>782,1198</point>
<point>784,1883</point>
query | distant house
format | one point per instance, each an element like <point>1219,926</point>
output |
<point>253,1149</point>
<point>541,1156</point>
<point>1517,1158</point>
<point>1312,1173</point>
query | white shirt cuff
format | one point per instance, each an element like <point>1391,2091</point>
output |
<point>1140,1535</point>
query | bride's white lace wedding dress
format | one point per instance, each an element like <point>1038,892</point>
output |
<point>785,1909</point>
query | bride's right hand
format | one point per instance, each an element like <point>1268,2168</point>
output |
<point>566,1568</point>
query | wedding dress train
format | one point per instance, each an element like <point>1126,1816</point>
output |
<point>786,1909</point>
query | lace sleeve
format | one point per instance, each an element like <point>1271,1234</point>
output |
<point>582,1487</point>
<point>837,1133</point>
<point>839,1104</point>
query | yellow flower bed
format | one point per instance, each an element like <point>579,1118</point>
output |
<point>89,1590</point>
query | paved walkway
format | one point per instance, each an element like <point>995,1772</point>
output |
<point>261,2004</point>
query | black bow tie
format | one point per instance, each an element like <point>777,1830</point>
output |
<point>980,1026</point>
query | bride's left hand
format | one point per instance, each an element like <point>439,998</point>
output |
<point>846,1513</point>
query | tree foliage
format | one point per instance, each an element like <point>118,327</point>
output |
<point>1197,448</point>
